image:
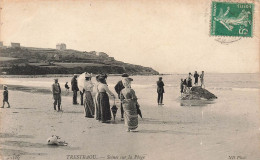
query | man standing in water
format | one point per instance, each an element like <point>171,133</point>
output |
<point>119,86</point>
<point>74,88</point>
<point>160,91</point>
<point>56,91</point>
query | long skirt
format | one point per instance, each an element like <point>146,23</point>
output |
<point>89,105</point>
<point>98,113</point>
<point>131,117</point>
<point>104,113</point>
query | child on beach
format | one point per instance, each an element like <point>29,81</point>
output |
<point>5,96</point>
<point>182,86</point>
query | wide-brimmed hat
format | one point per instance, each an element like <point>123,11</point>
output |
<point>125,75</point>
<point>4,86</point>
<point>102,76</point>
<point>55,79</point>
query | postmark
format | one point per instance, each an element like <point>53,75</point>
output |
<point>231,19</point>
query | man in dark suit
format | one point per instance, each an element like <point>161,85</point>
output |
<point>119,86</point>
<point>160,91</point>
<point>74,88</point>
<point>56,91</point>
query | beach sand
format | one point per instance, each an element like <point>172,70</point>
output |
<point>220,129</point>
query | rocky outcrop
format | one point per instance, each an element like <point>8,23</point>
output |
<point>198,93</point>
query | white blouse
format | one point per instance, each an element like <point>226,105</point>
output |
<point>104,88</point>
<point>88,86</point>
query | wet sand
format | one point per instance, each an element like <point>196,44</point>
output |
<point>219,130</point>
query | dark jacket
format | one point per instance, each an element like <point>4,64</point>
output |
<point>74,84</point>
<point>160,88</point>
<point>56,88</point>
<point>5,94</point>
<point>118,87</point>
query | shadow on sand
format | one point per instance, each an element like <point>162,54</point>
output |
<point>10,135</point>
<point>169,132</point>
<point>22,144</point>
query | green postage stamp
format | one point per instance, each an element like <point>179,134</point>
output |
<point>232,19</point>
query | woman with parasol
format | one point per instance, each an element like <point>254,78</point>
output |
<point>103,100</point>
<point>129,101</point>
<point>86,87</point>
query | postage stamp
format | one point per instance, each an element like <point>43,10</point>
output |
<point>232,19</point>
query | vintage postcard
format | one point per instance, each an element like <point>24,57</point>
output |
<point>129,80</point>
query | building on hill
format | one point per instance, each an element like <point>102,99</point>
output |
<point>1,44</point>
<point>15,45</point>
<point>102,54</point>
<point>61,46</point>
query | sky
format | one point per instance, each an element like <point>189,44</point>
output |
<point>169,36</point>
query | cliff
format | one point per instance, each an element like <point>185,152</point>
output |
<point>37,61</point>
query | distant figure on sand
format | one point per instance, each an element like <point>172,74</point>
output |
<point>104,113</point>
<point>56,91</point>
<point>118,87</point>
<point>74,88</point>
<point>5,97</point>
<point>202,79</point>
<point>196,76</point>
<point>182,86</point>
<point>129,101</point>
<point>88,102</point>
<point>189,81</point>
<point>160,91</point>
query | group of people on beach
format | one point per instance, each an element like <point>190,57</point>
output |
<point>186,84</point>
<point>99,106</point>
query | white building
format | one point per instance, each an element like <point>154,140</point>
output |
<point>61,46</point>
<point>15,45</point>
<point>101,54</point>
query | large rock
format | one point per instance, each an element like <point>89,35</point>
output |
<point>198,92</point>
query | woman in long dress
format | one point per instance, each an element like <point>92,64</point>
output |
<point>129,101</point>
<point>103,100</point>
<point>88,101</point>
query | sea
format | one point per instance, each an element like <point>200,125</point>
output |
<point>226,86</point>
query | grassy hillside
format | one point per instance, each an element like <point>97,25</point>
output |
<point>36,61</point>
